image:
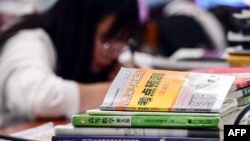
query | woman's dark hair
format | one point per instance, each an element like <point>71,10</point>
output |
<point>71,25</point>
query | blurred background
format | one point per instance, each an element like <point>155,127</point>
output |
<point>168,25</point>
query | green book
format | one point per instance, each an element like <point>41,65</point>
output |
<point>159,121</point>
<point>103,118</point>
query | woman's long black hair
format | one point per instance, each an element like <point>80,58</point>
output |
<point>71,25</point>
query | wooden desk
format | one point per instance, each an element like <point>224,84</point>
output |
<point>32,124</point>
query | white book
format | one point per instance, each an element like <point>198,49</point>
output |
<point>153,132</point>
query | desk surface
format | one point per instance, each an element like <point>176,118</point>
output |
<point>32,124</point>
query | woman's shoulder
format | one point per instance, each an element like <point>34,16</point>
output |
<point>35,41</point>
<point>36,36</point>
<point>31,33</point>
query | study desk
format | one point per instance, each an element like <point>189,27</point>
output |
<point>31,124</point>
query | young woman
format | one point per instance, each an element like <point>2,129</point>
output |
<point>61,62</point>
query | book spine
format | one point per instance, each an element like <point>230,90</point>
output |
<point>127,138</point>
<point>246,91</point>
<point>239,93</point>
<point>146,132</point>
<point>116,87</point>
<point>239,85</point>
<point>243,100</point>
<point>242,84</point>
<point>177,121</point>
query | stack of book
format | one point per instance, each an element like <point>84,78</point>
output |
<point>242,95</point>
<point>150,104</point>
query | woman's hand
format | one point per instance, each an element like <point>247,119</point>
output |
<point>92,95</point>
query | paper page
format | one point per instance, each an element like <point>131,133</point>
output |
<point>42,132</point>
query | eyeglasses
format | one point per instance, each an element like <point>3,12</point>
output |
<point>114,46</point>
<point>118,46</point>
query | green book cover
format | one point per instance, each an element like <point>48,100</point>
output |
<point>160,121</point>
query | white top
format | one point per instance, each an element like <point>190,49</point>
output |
<point>29,87</point>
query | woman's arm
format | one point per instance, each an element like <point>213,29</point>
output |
<point>32,89</point>
<point>29,86</point>
<point>92,95</point>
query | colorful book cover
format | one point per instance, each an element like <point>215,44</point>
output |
<point>128,138</point>
<point>242,75</point>
<point>160,121</point>
<point>70,130</point>
<point>135,89</point>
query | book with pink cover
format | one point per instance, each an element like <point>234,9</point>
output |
<point>242,75</point>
